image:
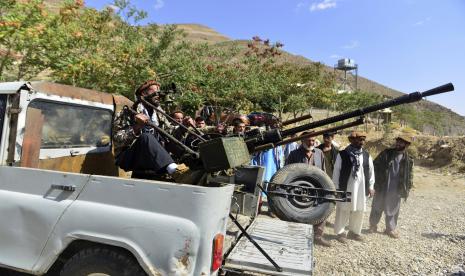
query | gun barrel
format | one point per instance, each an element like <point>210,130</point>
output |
<point>313,134</point>
<point>298,119</point>
<point>195,131</point>
<point>438,90</point>
<point>409,98</point>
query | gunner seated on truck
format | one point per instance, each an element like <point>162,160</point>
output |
<point>137,145</point>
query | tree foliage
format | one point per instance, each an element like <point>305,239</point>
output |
<point>109,51</point>
<point>22,28</point>
<point>81,46</point>
<point>357,99</point>
<point>423,120</point>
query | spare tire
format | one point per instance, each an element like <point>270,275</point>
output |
<point>299,209</point>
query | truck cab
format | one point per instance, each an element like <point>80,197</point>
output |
<point>66,209</point>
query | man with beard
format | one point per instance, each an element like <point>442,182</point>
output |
<point>137,147</point>
<point>330,151</point>
<point>308,154</point>
<point>393,169</point>
<point>354,173</point>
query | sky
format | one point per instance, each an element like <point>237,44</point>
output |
<point>407,45</point>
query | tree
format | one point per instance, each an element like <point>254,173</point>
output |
<point>101,50</point>
<point>358,99</point>
<point>22,27</point>
<point>109,51</point>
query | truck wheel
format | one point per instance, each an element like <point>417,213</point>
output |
<point>102,261</point>
<point>299,209</point>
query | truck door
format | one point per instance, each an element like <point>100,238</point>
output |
<point>33,200</point>
<point>31,203</point>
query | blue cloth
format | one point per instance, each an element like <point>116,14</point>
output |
<point>272,160</point>
<point>290,147</point>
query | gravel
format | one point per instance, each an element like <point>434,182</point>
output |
<point>432,229</point>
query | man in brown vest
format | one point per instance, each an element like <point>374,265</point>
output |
<point>394,177</point>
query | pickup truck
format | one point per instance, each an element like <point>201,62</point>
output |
<point>66,209</point>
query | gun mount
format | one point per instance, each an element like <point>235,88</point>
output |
<point>276,135</point>
<point>297,192</point>
<point>224,154</point>
<point>258,140</point>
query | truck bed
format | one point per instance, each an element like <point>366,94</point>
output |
<point>289,245</point>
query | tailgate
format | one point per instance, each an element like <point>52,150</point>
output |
<point>288,244</point>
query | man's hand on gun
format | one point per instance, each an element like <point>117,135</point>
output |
<point>141,120</point>
<point>188,121</point>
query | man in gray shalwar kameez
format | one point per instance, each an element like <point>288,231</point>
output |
<point>393,172</point>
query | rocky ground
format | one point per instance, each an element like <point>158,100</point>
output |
<point>432,242</point>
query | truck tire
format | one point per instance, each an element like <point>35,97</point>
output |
<point>102,261</point>
<point>298,209</point>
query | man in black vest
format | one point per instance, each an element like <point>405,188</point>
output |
<point>354,173</point>
<point>394,177</point>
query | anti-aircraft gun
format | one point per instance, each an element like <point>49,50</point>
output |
<point>297,192</point>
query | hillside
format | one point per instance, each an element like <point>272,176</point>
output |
<point>455,122</point>
<point>200,33</point>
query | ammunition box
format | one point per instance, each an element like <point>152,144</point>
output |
<point>223,153</point>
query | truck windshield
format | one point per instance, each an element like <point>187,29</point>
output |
<point>67,126</point>
<point>2,112</point>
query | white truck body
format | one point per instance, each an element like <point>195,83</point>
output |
<point>52,204</point>
<point>168,227</point>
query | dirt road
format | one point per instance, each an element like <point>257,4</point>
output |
<point>432,228</point>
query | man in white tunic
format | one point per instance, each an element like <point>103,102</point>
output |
<point>354,173</point>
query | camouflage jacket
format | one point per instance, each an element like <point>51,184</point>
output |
<point>123,132</point>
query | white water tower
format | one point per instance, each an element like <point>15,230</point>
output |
<point>347,65</point>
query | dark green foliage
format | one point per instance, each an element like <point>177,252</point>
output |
<point>108,51</point>
<point>356,99</point>
<point>432,122</point>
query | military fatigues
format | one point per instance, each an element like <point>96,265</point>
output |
<point>138,152</point>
